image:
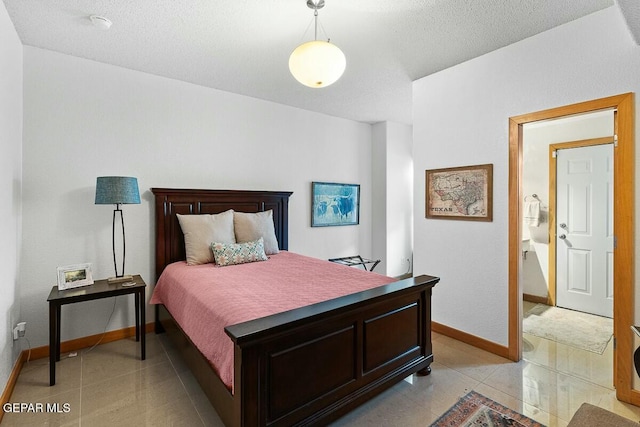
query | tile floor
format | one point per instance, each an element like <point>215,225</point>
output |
<point>110,386</point>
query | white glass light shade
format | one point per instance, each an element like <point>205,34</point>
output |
<point>317,63</point>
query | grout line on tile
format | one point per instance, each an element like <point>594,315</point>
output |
<point>81,355</point>
<point>175,371</point>
<point>575,376</point>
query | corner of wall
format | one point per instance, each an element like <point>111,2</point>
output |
<point>392,170</point>
<point>11,119</point>
<point>631,14</point>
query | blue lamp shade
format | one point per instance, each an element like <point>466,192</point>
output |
<point>114,190</point>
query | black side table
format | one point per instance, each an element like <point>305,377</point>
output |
<point>99,289</point>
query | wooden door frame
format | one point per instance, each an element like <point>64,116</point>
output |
<point>553,202</point>
<point>624,215</point>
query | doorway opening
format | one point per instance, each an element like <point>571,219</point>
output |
<point>624,261</point>
<point>568,246</point>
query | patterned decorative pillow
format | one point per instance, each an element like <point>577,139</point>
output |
<point>238,253</point>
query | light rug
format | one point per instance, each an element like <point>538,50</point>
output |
<point>573,328</point>
<point>475,409</point>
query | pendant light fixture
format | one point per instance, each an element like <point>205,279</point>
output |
<point>317,63</point>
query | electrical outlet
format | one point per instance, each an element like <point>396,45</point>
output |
<point>22,328</point>
<point>19,330</point>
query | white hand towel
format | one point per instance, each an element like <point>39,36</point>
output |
<point>531,214</point>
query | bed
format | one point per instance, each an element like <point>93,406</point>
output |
<point>368,340</point>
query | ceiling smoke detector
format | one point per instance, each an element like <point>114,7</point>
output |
<point>100,22</point>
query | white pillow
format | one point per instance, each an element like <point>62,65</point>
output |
<point>202,230</point>
<point>250,227</point>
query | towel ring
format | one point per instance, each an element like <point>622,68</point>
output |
<point>535,196</point>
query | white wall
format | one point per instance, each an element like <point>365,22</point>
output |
<point>399,198</point>
<point>379,207</point>
<point>461,118</point>
<point>10,187</point>
<point>392,164</point>
<point>84,119</point>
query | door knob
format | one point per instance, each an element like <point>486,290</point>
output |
<point>562,236</point>
<point>563,225</point>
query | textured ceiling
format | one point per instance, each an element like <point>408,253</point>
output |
<point>243,46</point>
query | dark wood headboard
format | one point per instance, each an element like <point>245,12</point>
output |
<point>170,201</point>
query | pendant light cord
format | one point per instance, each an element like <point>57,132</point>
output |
<point>315,17</point>
<point>321,27</point>
<point>315,21</point>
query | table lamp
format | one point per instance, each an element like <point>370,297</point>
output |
<point>117,190</point>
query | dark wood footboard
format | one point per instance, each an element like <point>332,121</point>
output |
<point>312,365</point>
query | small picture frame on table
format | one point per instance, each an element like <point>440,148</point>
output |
<point>74,276</point>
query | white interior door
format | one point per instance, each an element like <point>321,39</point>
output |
<point>584,235</point>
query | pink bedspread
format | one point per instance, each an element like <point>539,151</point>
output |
<point>204,299</point>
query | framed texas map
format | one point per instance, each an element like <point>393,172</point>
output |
<point>460,193</point>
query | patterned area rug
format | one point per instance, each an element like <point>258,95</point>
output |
<point>475,409</point>
<point>573,328</point>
